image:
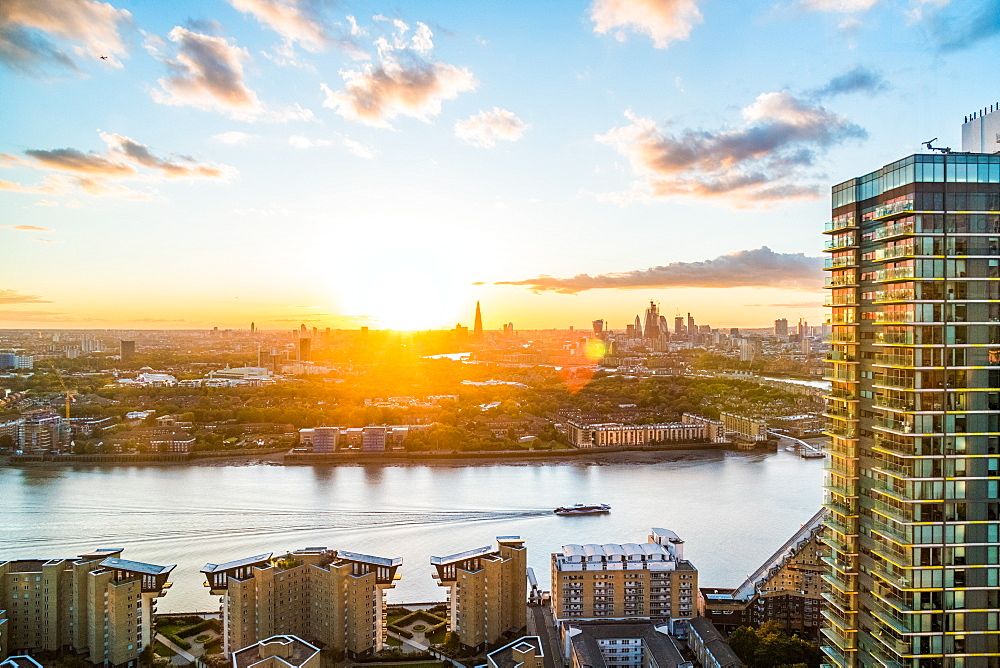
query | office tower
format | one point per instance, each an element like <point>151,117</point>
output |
<point>664,328</point>
<point>912,475</point>
<point>324,440</point>
<point>692,330</point>
<point>477,326</point>
<point>679,325</point>
<point>333,597</point>
<point>373,439</point>
<point>803,328</point>
<point>637,328</point>
<point>253,327</point>
<point>781,327</point>
<point>488,591</point>
<point>305,349</point>
<point>598,328</point>
<point>651,328</point>
<point>126,351</point>
<point>630,332</point>
<point>98,604</point>
<point>650,580</point>
<point>805,345</point>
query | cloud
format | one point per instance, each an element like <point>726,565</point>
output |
<point>90,28</point>
<point>760,267</point>
<point>856,80</point>
<point>298,141</point>
<point>766,159</point>
<point>405,81</point>
<point>300,22</point>
<point>233,137</point>
<point>8,296</point>
<point>664,21</point>
<point>71,171</point>
<point>487,127</point>
<point>37,316</point>
<point>956,31</point>
<point>206,73</point>
<point>841,6</point>
<point>27,228</point>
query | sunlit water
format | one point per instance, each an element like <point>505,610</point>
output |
<point>732,510</point>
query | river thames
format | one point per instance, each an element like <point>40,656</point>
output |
<point>732,509</point>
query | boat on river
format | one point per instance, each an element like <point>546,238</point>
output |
<point>583,509</point>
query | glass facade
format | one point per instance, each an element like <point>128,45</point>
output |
<point>913,465</point>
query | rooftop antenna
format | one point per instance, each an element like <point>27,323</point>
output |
<point>943,149</point>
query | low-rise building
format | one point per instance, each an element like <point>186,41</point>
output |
<point>41,431</point>
<point>331,597</point>
<point>524,652</point>
<point>787,588</point>
<point>98,604</point>
<point>281,651</point>
<point>487,591</point>
<point>372,439</point>
<point>650,580</point>
<point>619,644</point>
<point>694,429</point>
<point>324,439</point>
<point>745,428</point>
<point>711,647</point>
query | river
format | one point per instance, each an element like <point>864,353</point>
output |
<point>732,509</point>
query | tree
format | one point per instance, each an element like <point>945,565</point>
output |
<point>744,642</point>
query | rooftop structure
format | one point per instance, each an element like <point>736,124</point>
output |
<point>619,644</point>
<point>280,651</point>
<point>526,652</point>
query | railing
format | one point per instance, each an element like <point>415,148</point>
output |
<point>895,295</point>
<point>895,273</point>
<point>839,224</point>
<point>894,229</point>
<point>892,209</point>
<point>894,381</point>
<point>840,281</point>
<point>840,242</point>
<point>893,360</point>
<point>907,404</point>
<point>836,262</point>
<point>894,252</point>
<point>837,356</point>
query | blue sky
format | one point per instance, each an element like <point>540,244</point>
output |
<point>389,164</point>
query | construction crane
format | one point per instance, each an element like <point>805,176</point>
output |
<point>70,395</point>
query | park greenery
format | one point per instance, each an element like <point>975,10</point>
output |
<point>770,646</point>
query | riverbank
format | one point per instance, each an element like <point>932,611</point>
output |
<point>273,457</point>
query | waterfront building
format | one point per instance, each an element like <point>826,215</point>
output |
<point>649,580</point>
<point>324,439</point>
<point>40,432</point>
<point>487,591</point>
<point>372,439</point>
<point>692,429</point>
<point>711,647</point>
<point>914,414</point>
<point>98,605</point>
<point>280,651</point>
<point>787,588</point>
<point>619,644</point>
<point>526,652</point>
<point>745,428</point>
<point>333,597</point>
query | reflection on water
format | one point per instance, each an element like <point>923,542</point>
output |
<point>732,510</point>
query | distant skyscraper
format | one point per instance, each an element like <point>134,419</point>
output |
<point>803,328</point>
<point>781,327</point>
<point>637,328</point>
<point>305,349</point>
<point>253,327</point>
<point>679,325</point>
<point>912,472</point>
<point>691,326</point>
<point>126,351</point>
<point>477,328</point>
<point>664,328</point>
<point>598,327</point>
<point>651,330</point>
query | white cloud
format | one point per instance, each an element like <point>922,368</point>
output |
<point>233,137</point>
<point>298,141</point>
<point>92,28</point>
<point>404,81</point>
<point>487,127</point>
<point>664,21</point>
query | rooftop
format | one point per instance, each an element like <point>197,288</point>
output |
<point>369,559</point>
<point>584,637</point>
<point>136,566</point>
<point>287,650</point>
<point>20,662</point>
<point>239,563</point>
<point>462,556</point>
<point>503,657</point>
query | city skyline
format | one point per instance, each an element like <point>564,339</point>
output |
<point>353,165</point>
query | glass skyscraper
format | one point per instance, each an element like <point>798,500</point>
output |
<point>914,415</point>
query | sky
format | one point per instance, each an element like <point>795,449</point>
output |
<point>212,163</point>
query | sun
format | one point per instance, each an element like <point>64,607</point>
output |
<point>405,300</point>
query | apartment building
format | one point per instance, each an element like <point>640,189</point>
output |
<point>526,652</point>
<point>650,580</point>
<point>487,595</point>
<point>913,471</point>
<point>619,644</point>
<point>787,588</point>
<point>692,429</point>
<point>98,604</point>
<point>332,597</point>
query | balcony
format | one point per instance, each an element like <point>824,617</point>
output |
<point>894,382</point>
<point>841,281</point>
<point>840,413</point>
<point>841,375</point>
<point>882,359</point>
<point>893,403</point>
<point>892,209</point>
<point>842,395</point>
<point>850,492</point>
<point>894,229</point>
<point>842,430</point>
<point>895,295</point>
<point>840,356</point>
<point>895,252</point>
<point>840,241</point>
<point>840,223</point>
<point>839,262</point>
